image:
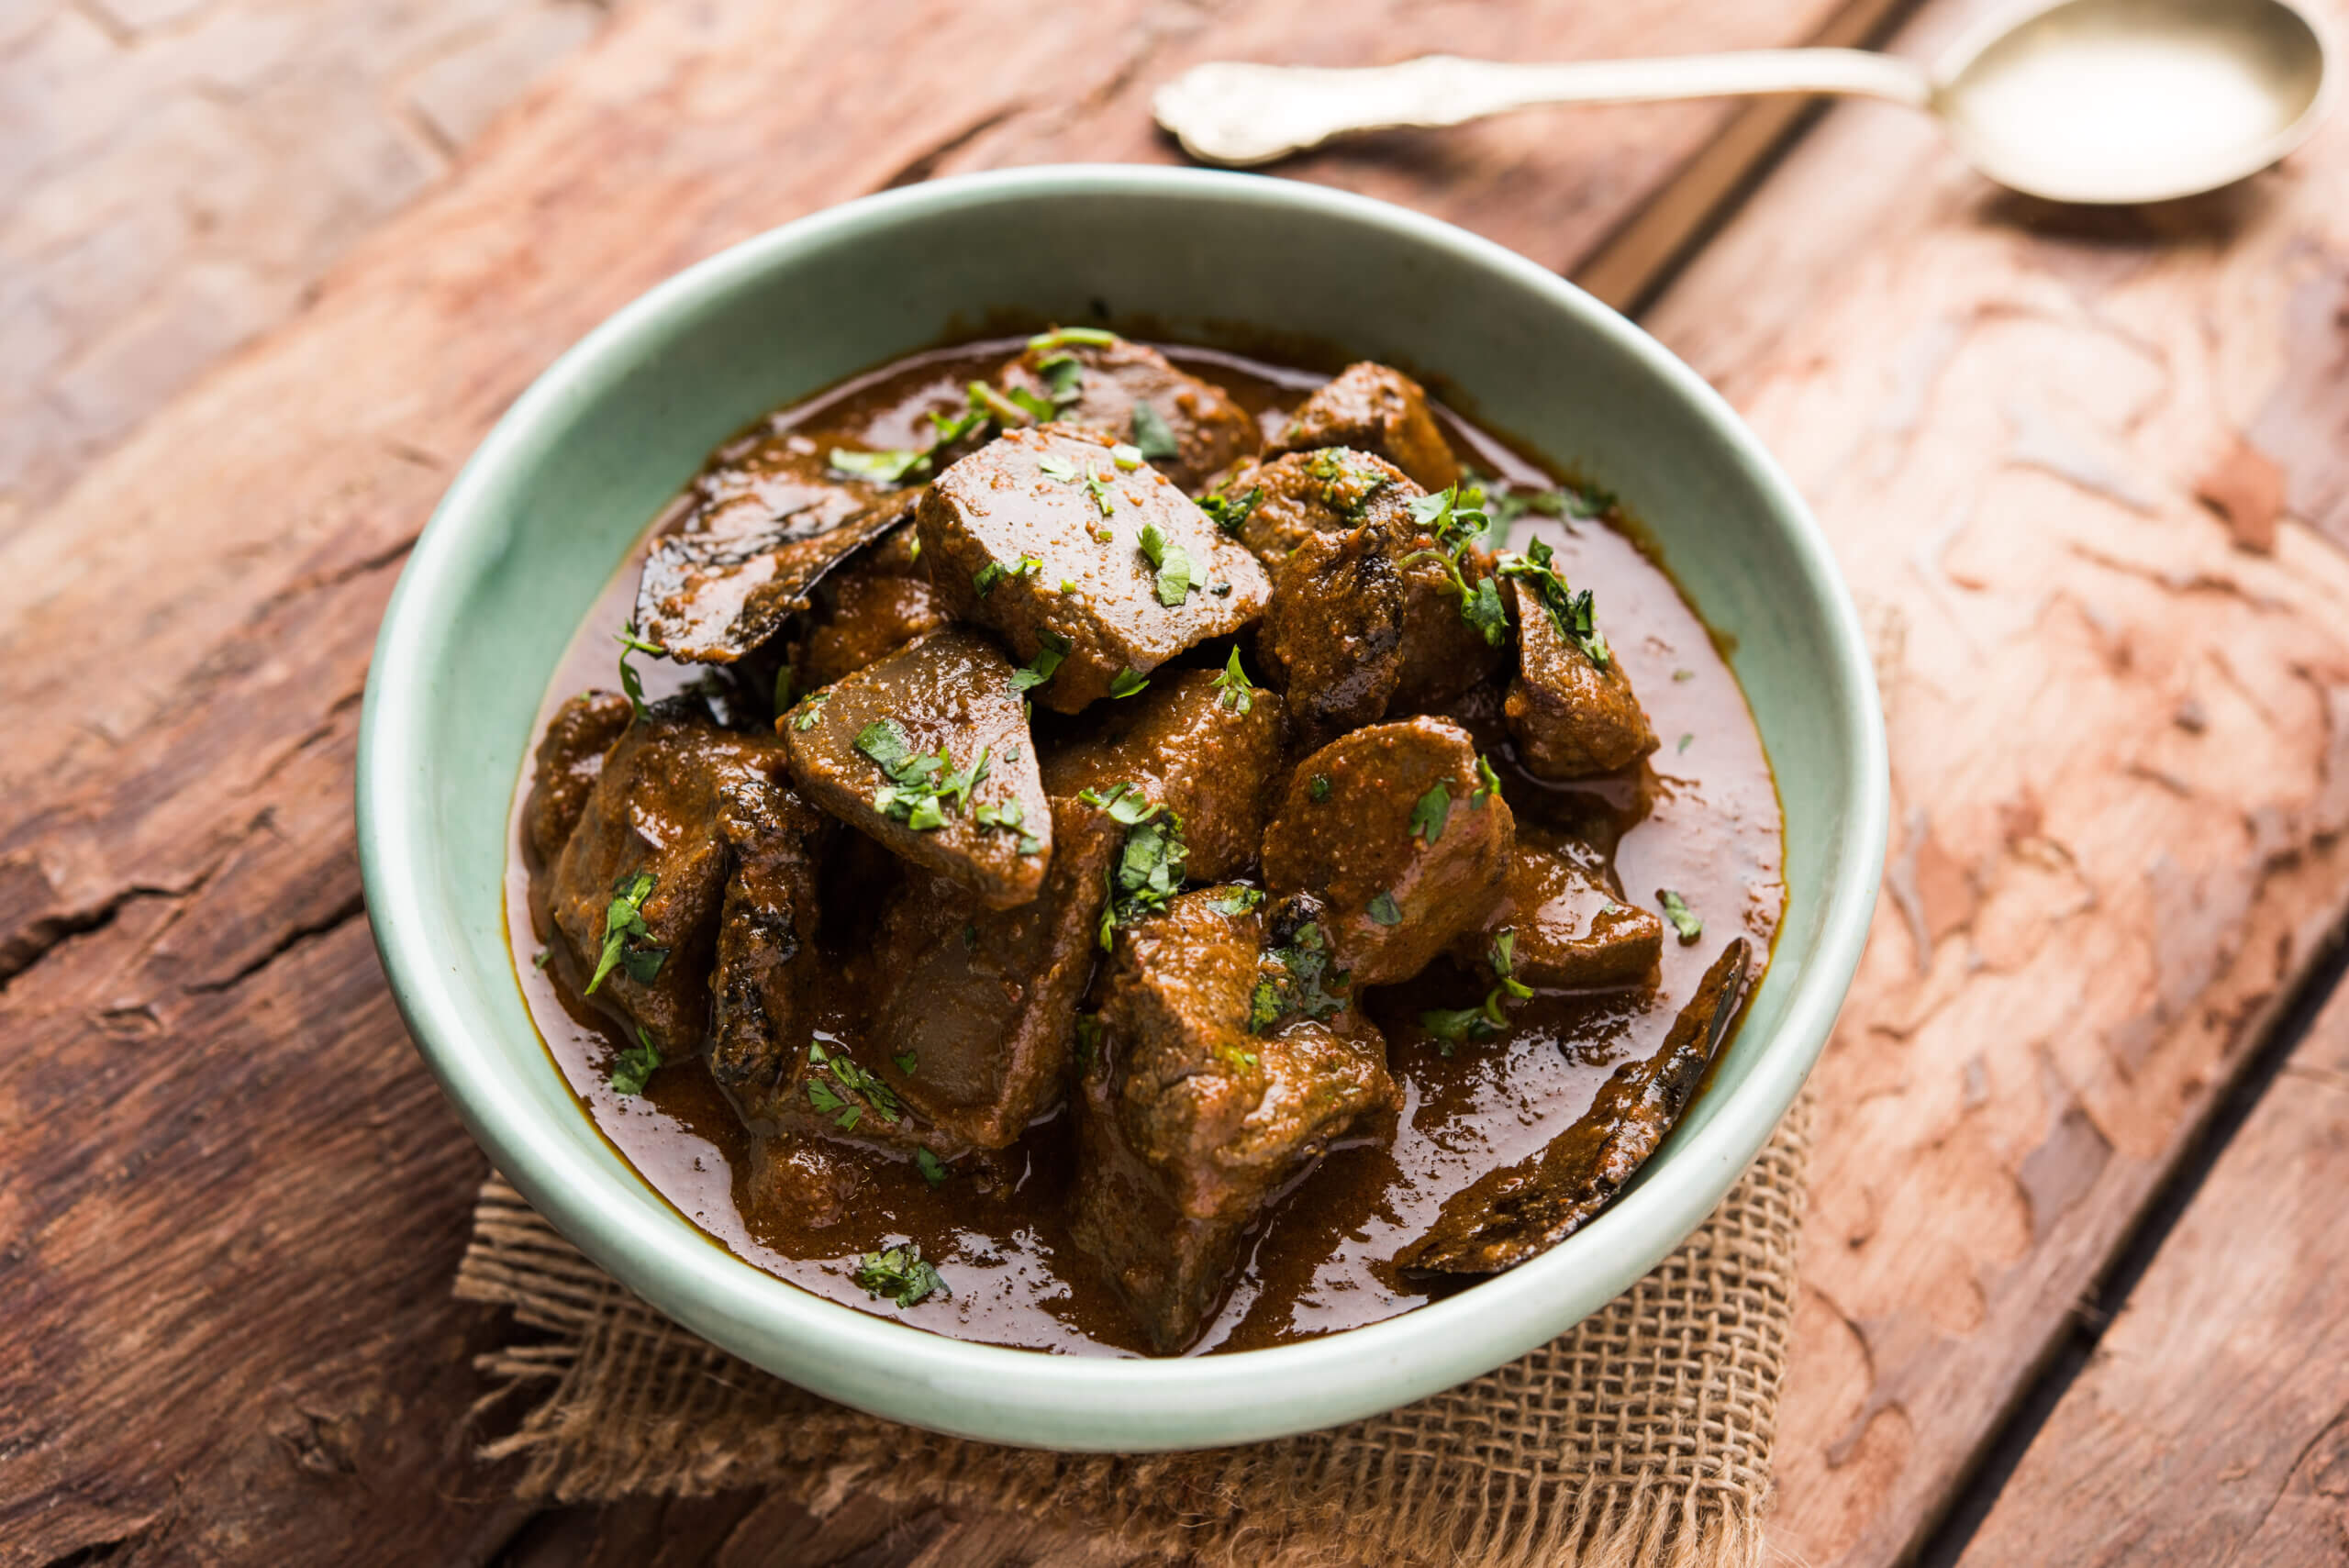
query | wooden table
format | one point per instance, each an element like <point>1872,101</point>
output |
<point>2071,1285</point>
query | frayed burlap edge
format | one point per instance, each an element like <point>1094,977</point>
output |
<point>1642,1436</point>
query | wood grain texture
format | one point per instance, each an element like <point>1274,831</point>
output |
<point>2119,738</point>
<point>231,1197</point>
<point>2212,1423</point>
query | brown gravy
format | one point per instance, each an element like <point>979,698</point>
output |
<point>1710,829</point>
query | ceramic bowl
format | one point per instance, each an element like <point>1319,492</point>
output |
<point>549,506</point>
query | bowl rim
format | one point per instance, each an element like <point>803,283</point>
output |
<point>1024,1396</point>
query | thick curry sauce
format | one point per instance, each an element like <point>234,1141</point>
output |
<point>1700,816</point>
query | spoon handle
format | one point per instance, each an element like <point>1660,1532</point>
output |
<point>1235,114</point>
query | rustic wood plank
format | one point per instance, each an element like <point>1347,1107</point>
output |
<point>231,1197</point>
<point>2211,1425</point>
<point>2118,716</point>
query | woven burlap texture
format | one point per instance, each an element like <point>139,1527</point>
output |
<point>1641,1436</point>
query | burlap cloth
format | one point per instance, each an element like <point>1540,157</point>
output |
<point>1641,1436</point>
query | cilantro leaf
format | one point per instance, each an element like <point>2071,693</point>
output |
<point>1130,680</point>
<point>624,932</point>
<point>1236,694</point>
<point>632,1068</point>
<point>1683,919</point>
<point>932,1169</point>
<point>1153,436</point>
<point>1084,336</point>
<point>1124,803</point>
<point>1238,901</point>
<point>900,1274</point>
<point>1148,872</point>
<point>1064,377</point>
<point>1173,564</point>
<point>1429,816</point>
<point>1385,910</point>
<point>1318,790</point>
<point>1570,612</point>
<point>1042,667</point>
<point>891,465</point>
<point>631,682</point>
<point>1231,512</point>
<point>1488,782</point>
<point>1295,978</point>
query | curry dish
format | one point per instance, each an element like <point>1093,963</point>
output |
<point>1115,848</point>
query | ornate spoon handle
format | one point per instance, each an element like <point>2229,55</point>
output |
<point>1235,114</point>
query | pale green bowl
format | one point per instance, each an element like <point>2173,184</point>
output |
<point>545,511</point>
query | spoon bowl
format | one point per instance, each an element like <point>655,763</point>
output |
<point>2114,101</point>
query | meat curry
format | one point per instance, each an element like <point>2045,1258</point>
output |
<point>1115,848</point>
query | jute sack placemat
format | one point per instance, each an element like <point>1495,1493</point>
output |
<point>1640,1436</point>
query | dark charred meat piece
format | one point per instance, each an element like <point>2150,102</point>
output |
<point>866,611</point>
<point>675,797</point>
<point>1306,493</point>
<point>710,599</point>
<point>975,1008</point>
<point>768,969</point>
<point>1332,634</point>
<point>1570,925</point>
<point>1572,718</point>
<point>1042,536</point>
<point>928,752</point>
<point>1390,827</point>
<point>1208,430</point>
<point>770,483</point>
<point>1190,1123</point>
<point>1510,1215</point>
<point>570,757</point>
<point>1374,409</point>
<point>1194,743</point>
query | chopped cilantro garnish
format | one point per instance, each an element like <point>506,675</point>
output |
<point>1128,459</point>
<point>900,1274</point>
<point>1058,468</point>
<point>890,465</point>
<point>1149,872</point>
<point>1124,803</point>
<point>1488,782</point>
<point>631,682</point>
<point>1098,488</point>
<point>1385,910</point>
<point>784,679</point>
<point>1318,789</point>
<point>1040,410</point>
<point>847,1073</point>
<point>1173,564</point>
<point>1047,660</point>
<point>1238,901</point>
<point>632,1068</point>
<point>932,1169</point>
<point>810,708</point>
<point>1063,376</point>
<point>987,577</point>
<point>1153,436</point>
<point>1343,486</point>
<point>1236,692</point>
<point>1683,674</point>
<point>1062,336</point>
<point>540,959</point>
<point>625,934</point>
<point>1130,680</point>
<point>1454,516</point>
<point>920,786</point>
<point>1295,978</point>
<point>1683,919</point>
<point>1570,611</point>
<point>1433,811</point>
<point>1502,955</point>
<point>1456,1026</point>
<point>1231,512</point>
<point>1004,410</point>
<point>1684,741</point>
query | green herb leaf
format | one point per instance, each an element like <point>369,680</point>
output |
<point>907,1060</point>
<point>821,1095</point>
<point>1130,680</point>
<point>631,682</point>
<point>1503,957</point>
<point>1684,744</point>
<point>1385,910</point>
<point>1238,901</point>
<point>987,577</point>
<point>1003,410</point>
<point>1042,667</point>
<point>1488,782</point>
<point>1040,410</point>
<point>886,743</point>
<point>1173,564</point>
<point>1570,612</point>
<point>540,960</point>
<point>1126,457</point>
<point>784,679</point>
<point>1456,1026</point>
<point>1063,337</point>
<point>900,1274</point>
<point>1148,872</point>
<point>624,930</point>
<point>1064,377</point>
<point>1683,919</point>
<point>810,708</point>
<point>932,1169</point>
<point>889,466</point>
<point>1430,815</point>
<point>1235,693</point>
<point>1151,434</point>
<point>1344,486</point>
<point>1318,789</point>
<point>1295,978</point>
<point>1231,512</point>
<point>634,1067</point>
<point>1098,488</point>
<point>1124,803</point>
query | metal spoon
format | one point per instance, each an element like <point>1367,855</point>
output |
<point>2098,101</point>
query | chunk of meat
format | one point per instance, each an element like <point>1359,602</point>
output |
<point>1390,827</point>
<point>1042,536</point>
<point>1196,744</point>
<point>865,611</point>
<point>710,598</point>
<point>1374,409</point>
<point>1206,431</point>
<point>1332,634</point>
<point>1570,925</point>
<point>926,751</point>
<point>829,1093</point>
<point>1572,716</point>
<point>975,1009</point>
<point>1306,493</point>
<point>1189,1123</point>
<point>677,800</point>
<point>1444,654</point>
<point>798,1177</point>
<point>770,481</point>
<point>764,986</point>
<point>569,759</point>
<point>1510,1215</point>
